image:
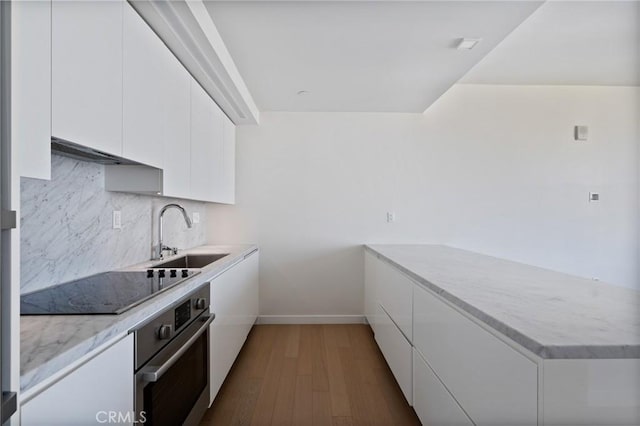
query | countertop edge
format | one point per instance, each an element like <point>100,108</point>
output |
<point>546,352</point>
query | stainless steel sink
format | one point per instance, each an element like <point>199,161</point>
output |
<point>191,261</point>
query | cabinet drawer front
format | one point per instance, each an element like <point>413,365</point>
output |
<point>397,352</point>
<point>434,405</point>
<point>395,294</point>
<point>494,383</point>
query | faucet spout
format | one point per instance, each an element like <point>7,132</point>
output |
<point>161,246</point>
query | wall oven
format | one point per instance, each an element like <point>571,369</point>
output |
<point>172,363</point>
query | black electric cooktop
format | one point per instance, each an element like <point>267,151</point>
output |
<point>106,293</point>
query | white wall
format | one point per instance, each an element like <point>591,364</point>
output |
<point>488,168</point>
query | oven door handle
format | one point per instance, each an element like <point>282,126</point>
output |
<point>157,372</point>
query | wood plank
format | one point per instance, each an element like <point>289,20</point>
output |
<point>342,421</point>
<point>368,405</point>
<point>262,339</point>
<point>283,409</point>
<point>293,341</point>
<point>322,409</point>
<point>318,360</point>
<point>245,403</point>
<point>305,364</point>
<point>333,341</point>
<point>266,401</point>
<point>400,411</point>
<point>303,401</point>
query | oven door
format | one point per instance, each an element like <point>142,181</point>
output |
<point>173,387</point>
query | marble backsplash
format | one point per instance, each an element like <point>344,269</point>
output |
<point>67,232</point>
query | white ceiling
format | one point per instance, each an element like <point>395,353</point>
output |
<point>358,56</point>
<point>574,43</point>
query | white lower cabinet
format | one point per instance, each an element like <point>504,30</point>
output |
<point>494,383</point>
<point>234,301</point>
<point>433,404</point>
<point>90,394</point>
<point>370,293</point>
<point>396,350</point>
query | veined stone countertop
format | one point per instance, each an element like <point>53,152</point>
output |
<point>50,345</point>
<point>553,315</point>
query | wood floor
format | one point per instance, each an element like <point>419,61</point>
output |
<point>310,375</point>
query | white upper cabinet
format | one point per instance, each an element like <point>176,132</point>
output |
<point>86,76</point>
<point>145,91</point>
<point>206,146</point>
<point>177,131</point>
<point>31,86</point>
<point>228,161</point>
<point>117,88</point>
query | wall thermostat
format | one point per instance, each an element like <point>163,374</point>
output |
<point>581,133</point>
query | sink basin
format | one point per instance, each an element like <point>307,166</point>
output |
<point>191,261</point>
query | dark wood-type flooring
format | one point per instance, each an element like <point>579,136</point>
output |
<point>310,375</point>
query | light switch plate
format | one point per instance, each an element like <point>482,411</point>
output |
<point>581,133</point>
<point>196,217</point>
<point>117,219</point>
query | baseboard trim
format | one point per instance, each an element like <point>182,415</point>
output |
<point>311,319</point>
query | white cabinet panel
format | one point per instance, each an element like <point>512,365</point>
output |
<point>86,73</point>
<point>370,285</point>
<point>206,146</point>
<point>234,300</point>
<point>433,404</point>
<point>251,301</point>
<point>103,384</point>
<point>31,86</point>
<point>397,352</point>
<point>591,391</point>
<point>394,293</point>
<point>145,76</point>
<point>228,161</point>
<point>492,382</point>
<point>177,132</point>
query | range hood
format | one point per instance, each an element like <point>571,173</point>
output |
<point>79,152</point>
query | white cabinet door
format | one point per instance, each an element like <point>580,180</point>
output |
<point>234,300</point>
<point>433,404</point>
<point>145,76</point>
<point>494,383</point>
<point>31,86</point>
<point>206,146</point>
<point>87,394</point>
<point>86,73</point>
<point>395,294</point>
<point>397,352</point>
<point>370,285</point>
<point>252,291</point>
<point>228,161</point>
<point>177,133</point>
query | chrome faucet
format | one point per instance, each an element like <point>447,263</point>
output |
<point>161,247</point>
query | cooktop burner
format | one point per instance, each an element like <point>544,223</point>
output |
<point>106,293</point>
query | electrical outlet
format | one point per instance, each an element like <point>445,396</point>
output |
<point>391,217</point>
<point>196,217</point>
<point>117,219</point>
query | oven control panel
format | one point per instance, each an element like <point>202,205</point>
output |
<point>183,314</point>
<point>157,332</point>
